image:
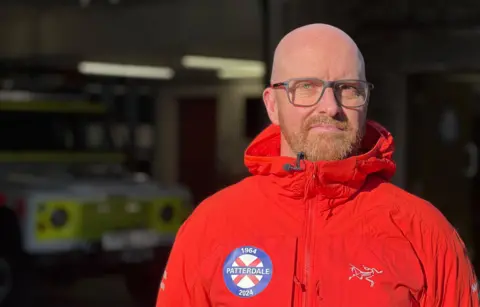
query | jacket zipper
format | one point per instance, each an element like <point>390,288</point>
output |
<point>308,235</point>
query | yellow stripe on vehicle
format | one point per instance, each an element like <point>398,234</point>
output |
<point>53,106</point>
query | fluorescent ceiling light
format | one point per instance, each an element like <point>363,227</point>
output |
<point>227,68</point>
<point>240,73</point>
<point>122,70</point>
<point>194,61</point>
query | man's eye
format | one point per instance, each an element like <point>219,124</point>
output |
<point>347,87</point>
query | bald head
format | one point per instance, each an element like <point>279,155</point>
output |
<point>317,50</point>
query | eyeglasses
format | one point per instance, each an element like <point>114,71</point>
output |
<point>307,92</point>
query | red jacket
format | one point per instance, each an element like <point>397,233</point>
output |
<point>326,234</point>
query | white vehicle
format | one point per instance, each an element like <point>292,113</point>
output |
<point>73,211</point>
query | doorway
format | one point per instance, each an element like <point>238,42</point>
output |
<point>198,145</point>
<point>442,141</point>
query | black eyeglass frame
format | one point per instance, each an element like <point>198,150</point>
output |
<point>326,84</point>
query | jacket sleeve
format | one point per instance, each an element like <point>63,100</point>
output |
<point>180,285</point>
<point>450,278</point>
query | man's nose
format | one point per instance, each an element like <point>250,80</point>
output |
<point>328,103</point>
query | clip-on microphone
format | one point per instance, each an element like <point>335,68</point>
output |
<point>297,167</point>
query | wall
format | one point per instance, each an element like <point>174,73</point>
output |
<point>230,124</point>
<point>149,34</point>
<point>390,110</point>
<point>405,52</point>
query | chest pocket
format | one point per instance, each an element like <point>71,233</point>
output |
<point>254,272</point>
<point>365,271</point>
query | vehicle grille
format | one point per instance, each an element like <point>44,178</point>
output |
<point>98,218</point>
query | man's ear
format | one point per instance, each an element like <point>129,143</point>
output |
<point>271,105</point>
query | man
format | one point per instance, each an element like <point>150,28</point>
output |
<point>318,224</point>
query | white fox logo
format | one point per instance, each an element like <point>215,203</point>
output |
<point>366,274</point>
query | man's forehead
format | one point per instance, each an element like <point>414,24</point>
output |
<point>317,51</point>
<point>319,64</point>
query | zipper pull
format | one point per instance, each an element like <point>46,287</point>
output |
<point>299,284</point>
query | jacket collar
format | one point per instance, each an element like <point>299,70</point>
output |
<point>334,180</point>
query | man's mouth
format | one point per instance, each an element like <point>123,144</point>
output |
<point>323,127</point>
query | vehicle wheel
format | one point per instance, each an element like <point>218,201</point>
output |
<point>5,280</point>
<point>142,282</point>
<point>16,284</point>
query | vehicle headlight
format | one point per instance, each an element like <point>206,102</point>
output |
<point>59,218</point>
<point>167,213</point>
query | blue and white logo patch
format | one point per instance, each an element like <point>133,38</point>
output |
<point>247,271</point>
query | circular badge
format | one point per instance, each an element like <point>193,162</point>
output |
<point>247,271</point>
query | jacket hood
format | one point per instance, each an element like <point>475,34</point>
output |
<point>331,179</point>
